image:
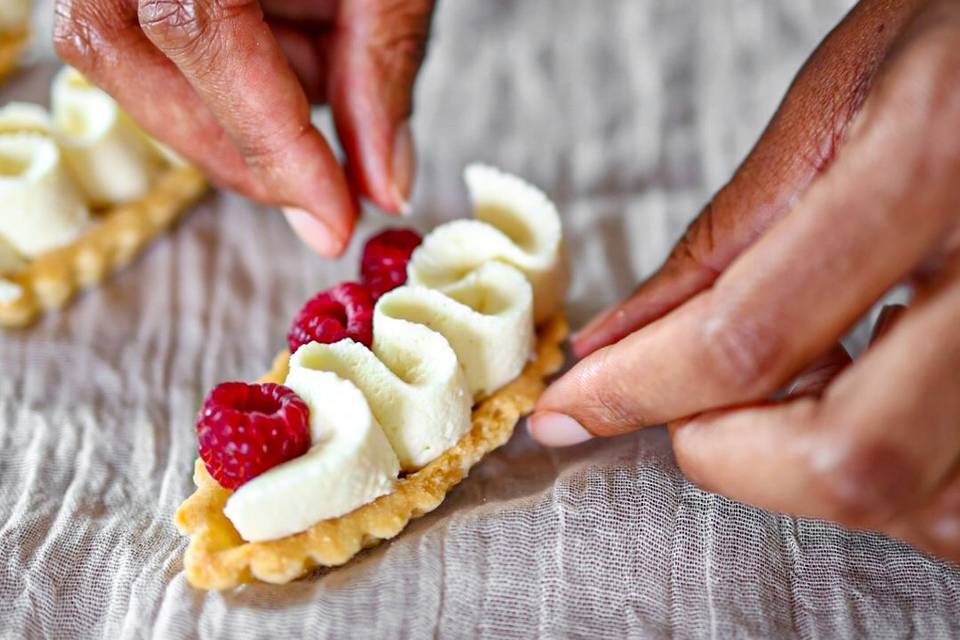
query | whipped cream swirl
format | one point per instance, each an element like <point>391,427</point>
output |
<point>462,328</point>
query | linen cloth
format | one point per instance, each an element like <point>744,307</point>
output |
<point>629,113</point>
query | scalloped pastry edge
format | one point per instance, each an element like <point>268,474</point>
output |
<point>116,236</point>
<point>218,558</point>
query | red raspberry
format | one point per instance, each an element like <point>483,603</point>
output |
<point>246,429</point>
<point>345,311</point>
<point>385,257</point>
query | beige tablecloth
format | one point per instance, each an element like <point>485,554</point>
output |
<point>629,112</point>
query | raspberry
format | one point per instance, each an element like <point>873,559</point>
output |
<point>345,311</point>
<point>246,429</point>
<point>385,256</point>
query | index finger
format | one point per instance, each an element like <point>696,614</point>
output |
<point>878,444</point>
<point>864,225</point>
<point>229,55</point>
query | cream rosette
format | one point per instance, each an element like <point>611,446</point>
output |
<point>486,317</point>
<point>111,158</point>
<point>412,381</point>
<point>462,328</point>
<point>349,464</point>
<point>61,174</point>
<point>55,167</point>
<point>514,223</point>
<point>42,208</point>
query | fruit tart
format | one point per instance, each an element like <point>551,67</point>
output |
<point>14,33</point>
<point>391,389</point>
<point>83,190</point>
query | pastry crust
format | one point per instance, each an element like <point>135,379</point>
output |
<point>115,237</point>
<point>218,558</point>
<point>11,45</point>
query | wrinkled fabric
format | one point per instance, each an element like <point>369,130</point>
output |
<point>629,113</point>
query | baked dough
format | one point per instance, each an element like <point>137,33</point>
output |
<point>218,558</point>
<point>53,243</point>
<point>49,281</point>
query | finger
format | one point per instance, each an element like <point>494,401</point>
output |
<point>818,374</point>
<point>227,52</point>
<point>103,41</point>
<point>807,280</point>
<point>379,49</point>
<point>800,142</point>
<point>887,318</point>
<point>936,525</point>
<point>880,442</point>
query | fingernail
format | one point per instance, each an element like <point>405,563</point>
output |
<point>598,321</point>
<point>402,168</point>
<point>556,429</point>
<point>314,232</point>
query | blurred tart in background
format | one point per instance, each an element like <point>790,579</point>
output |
<point>83,190</point>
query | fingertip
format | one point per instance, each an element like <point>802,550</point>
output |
<point>675,426</point>
<point>315,233</point>
<point>683,442</point>
<point>692,444</point>
<point>371,111</point>
<point>552,429</point>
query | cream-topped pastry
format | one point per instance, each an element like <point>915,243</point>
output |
<point>349,464</point>
<point>53,168</point>
<point>42,208</point>
<point>412,381</point>
<point>486,316</point>
<point>45,210</point>
<point>515,223</point>
<point>111,159</point>
<point>462,328</point>
<point>83,190</point>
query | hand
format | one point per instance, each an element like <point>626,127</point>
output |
<point>227,82</point>
<point>853,188</point>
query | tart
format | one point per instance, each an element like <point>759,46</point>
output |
<point>391,390</point>
<point>84,190</point>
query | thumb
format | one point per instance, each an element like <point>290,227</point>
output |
<point>378,51</point>
<point>800,142</point>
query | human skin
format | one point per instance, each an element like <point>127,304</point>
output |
<point>853,188</point>
<point>229,83</point>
